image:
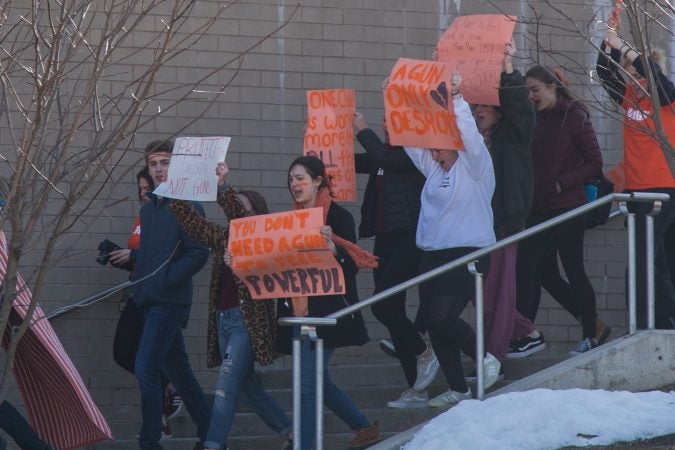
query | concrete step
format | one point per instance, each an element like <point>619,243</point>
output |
<point>370,386</point>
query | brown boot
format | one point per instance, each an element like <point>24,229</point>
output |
<point>365,437</point>
<point>602,331</point>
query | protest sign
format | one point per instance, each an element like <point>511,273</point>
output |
<point>192,173</point>
<point>418,105</point>
<point>475,46</point>
<point>330,137</point>
<point>283,255</point>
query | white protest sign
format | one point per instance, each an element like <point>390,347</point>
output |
<point>192,173</point>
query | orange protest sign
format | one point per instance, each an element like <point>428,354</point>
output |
<point>475,46</point>
<point>283,255</point>
<point>418,105</point>
<point>330,137</point>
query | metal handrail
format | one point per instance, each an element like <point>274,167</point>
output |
<point>308,324</point>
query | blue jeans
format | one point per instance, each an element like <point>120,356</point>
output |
<point>237,377</point>
<point>18,428</point>
<point>333,397</point>
<point>162,348</point>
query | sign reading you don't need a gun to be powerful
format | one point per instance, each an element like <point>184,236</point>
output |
<point>192,173</point>
<point>418,105</point>
<point>283,255</point>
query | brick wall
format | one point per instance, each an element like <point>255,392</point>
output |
<point>328,44</point>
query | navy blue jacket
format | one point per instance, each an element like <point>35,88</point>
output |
<point>160,235</point>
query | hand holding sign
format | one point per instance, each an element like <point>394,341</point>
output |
<point>222,169</point>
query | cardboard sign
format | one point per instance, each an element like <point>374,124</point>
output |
<point>475,46</point>
<point>283,255</point>
<point>418,105</point>
<point>330,137</point>
<point>192,173</point>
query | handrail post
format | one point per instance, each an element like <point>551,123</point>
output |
<point>297,409</point>
<point>480,342</point>
<point>310,332</point>
<point>630,225</point>
<point>651,313</point>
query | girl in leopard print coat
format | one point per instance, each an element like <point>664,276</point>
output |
<point>233,319</point>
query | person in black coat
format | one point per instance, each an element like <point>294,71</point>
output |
<point>390,210</point>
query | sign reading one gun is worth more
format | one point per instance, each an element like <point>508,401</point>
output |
<point>283,255</point>
<point>475,47</point>
<point>418,105</point>
<point>192,173</point>
<point>330,137</point>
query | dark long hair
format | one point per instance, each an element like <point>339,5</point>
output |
<point>314,167</point>
<point>145,174</point>
<point>257,201</point>
<point>548,76</point>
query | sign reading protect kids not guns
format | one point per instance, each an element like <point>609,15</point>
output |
<point>475,46</point>
<point>418,105</point>
<point>283,255</point>
<point>192,173</point>
<point>330,137</point>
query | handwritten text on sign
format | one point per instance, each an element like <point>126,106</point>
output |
<point>283,255</point>
<point>192,173</point>
<point>418,105</point>
<point>475,46</point>
<point>330,137</point>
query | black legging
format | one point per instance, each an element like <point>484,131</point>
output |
<point>534,264</point>
<point>398,262</point>
<point>442,301</point>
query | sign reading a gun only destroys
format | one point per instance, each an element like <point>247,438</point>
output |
<point>283,255</point>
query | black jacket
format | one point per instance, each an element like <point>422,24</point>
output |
<point>509,146</point>
<point>350,330</point>
<point>401,185</point>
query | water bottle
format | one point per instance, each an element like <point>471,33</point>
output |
<point>591,192</point>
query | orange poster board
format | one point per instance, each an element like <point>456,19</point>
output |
<point>475,46</point>
<point>330,137</point>
<point>283,255</point>
<point>418,105</point>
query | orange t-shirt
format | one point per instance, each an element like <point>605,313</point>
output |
<point>134,241</point>
<point>644,163</point>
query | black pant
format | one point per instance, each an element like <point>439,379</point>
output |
<point>399,262</point>
<point>534,265</point>
<point>664,292</point>
<point>18,428</point>
<point>442,300</point>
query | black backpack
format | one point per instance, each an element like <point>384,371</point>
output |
<point>600,216</point>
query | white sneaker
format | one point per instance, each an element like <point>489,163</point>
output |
<point>449,397</point>
<point>427,366</point>
<point>411,399</point>
<point>491,367</point>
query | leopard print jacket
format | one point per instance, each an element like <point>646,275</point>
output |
<point>260,316</point>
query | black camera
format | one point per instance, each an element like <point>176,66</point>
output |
<point>104,249</point>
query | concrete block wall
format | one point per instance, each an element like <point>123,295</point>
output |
<point>327,44</point>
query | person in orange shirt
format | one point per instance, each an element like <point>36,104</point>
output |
<point>645,166</point>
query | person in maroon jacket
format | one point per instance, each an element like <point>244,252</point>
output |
<point>565,155</point>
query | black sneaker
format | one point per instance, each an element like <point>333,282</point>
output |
<point>471,378</point>
<point>526,346</point>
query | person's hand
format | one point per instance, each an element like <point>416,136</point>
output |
<point>120,257</point>
<point>434,55</point>
<point>327,233</point>
<point>227,257</point>
<point>221,170</point>
<point>509,52</point>
<point>455,83</point>
<point>613,40</point>
<point>359,122</point>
